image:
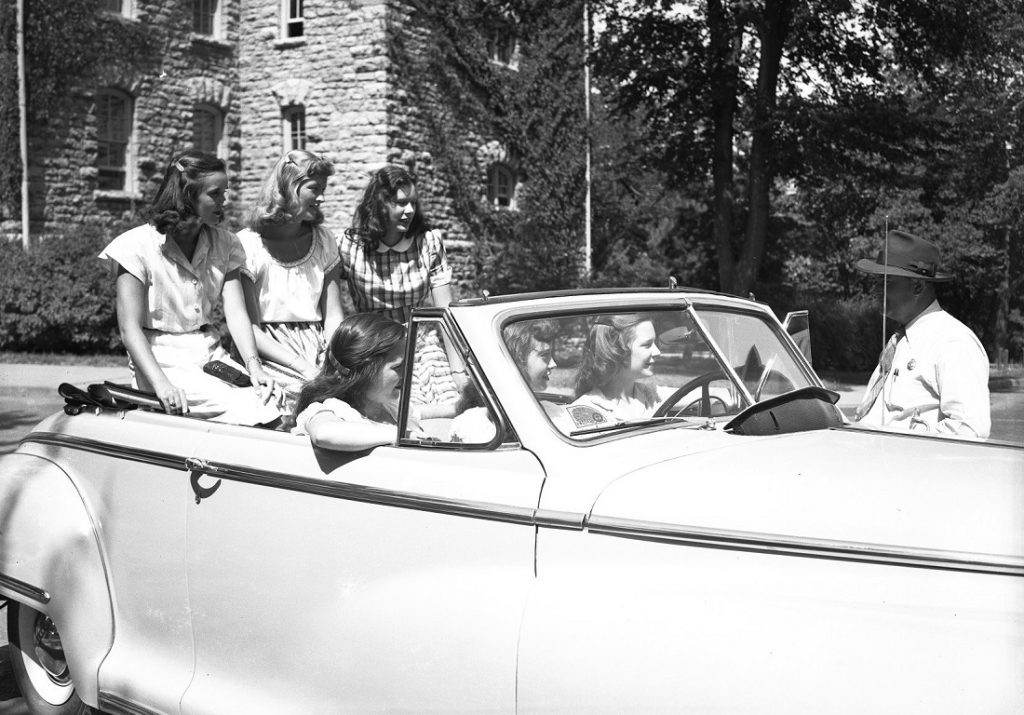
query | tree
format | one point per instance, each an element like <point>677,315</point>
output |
<point>725,85</point>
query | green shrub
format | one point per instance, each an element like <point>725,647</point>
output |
<point>846,333</point>
<point>59,297</point>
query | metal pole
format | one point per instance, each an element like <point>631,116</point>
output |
<point>23,125</point>
<point>586,98</point>
<point>885,280</point>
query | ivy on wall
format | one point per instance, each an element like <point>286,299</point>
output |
<point>536,113</point>
<point>66,45</point>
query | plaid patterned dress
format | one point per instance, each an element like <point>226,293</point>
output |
<point>392,282</point>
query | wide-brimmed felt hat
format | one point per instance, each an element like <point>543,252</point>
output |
<point>908,256</point>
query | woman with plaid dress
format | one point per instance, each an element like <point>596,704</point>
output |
<point>392,263</point>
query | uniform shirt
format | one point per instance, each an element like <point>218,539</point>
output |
<point>290,292</point>
<point>180,294</point>
<point>938,382</point>
<point>394,280</point>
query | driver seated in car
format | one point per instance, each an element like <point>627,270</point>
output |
<point>620,352</point>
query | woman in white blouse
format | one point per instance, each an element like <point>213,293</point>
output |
<point>352,403</point>
<point>171,272</point>
<point>290,276</point>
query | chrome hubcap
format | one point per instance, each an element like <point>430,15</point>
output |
<point>49,651</point>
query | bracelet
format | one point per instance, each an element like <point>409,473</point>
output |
<point>253,357</point>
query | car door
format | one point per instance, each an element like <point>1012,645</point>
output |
<point>392,580</point>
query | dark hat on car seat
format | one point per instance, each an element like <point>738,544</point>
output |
<point>908,256</point>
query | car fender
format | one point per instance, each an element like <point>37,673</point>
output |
<point>50,560</point>
<point>725,581</point>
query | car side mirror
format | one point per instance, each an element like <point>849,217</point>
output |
<point>798,325</point>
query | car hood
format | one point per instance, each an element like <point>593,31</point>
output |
<point>845,485</point>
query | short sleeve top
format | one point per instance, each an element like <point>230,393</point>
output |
<point>290,292</point>
<point>339,408</point>
<point>394,280</point>
<point>180,294</point>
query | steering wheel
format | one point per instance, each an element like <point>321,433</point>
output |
<point>704,382</point>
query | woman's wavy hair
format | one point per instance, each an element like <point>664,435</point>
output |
<point>519,338</point>
<point>356,354</point>
<point>278,200</point>
<point>370,222</point>
<point>174,206</point>
<point>607,350</point>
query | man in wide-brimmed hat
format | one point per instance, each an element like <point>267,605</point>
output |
<point>932,375</point>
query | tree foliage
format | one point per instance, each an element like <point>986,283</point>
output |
<point>534,111</point>
<point>804,128</point>
<point>66,44</point>
<point>728,89</point>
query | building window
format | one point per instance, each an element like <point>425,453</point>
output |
<point>501,45</point>
<point>501,186</point>
<point>206,17</point>
<point>208,130</point>
<point>294,128</point>
<point>115,6</point>
<point>113,139</point>
<point>291,12</point>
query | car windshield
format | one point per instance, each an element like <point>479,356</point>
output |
<point>603,371</point>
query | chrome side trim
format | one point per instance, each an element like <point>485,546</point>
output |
<point>280,480</point>
<point>24,589</point>
<point>374,495</point>
<point>112,704</point>
<point>560,519</point>
<point>56,439</point>
<point>806,547</point>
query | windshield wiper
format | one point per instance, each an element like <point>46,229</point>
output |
<point>624,424</point>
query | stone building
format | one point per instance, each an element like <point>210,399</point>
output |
<point>248,79</point>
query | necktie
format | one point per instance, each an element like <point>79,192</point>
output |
<point>884,366</point>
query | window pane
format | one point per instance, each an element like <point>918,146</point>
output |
<point>295,129</point>
<point>501,186</point>
<point>206,130</point>
<point>293,18</point>
<point>112,6</point>
<point>113,127</point>
<point>204,13</point>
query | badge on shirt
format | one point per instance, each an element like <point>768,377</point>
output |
<point>585,416</point>
<point>912,364</point>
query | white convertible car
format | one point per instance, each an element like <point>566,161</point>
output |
<point>740,550</point>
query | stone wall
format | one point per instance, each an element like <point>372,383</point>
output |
<point>179,71</point>
<point>338,72</point>
<point>360,112</point>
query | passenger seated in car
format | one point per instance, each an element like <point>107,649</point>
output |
<point>619,352</point>
<point>531,343</point>
<point>352,403</point>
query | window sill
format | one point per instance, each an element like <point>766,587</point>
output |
<point>210,41</point>
<point>510,66</point>
<point>287,43</point>
<point>116,196</point>
<point>111,15</point>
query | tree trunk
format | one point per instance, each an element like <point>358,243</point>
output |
<point>773,29</point>
<point>726,41</point>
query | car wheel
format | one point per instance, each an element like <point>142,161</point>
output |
<point>37,658</point>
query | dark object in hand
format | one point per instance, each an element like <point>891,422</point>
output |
<point>227,373</point>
